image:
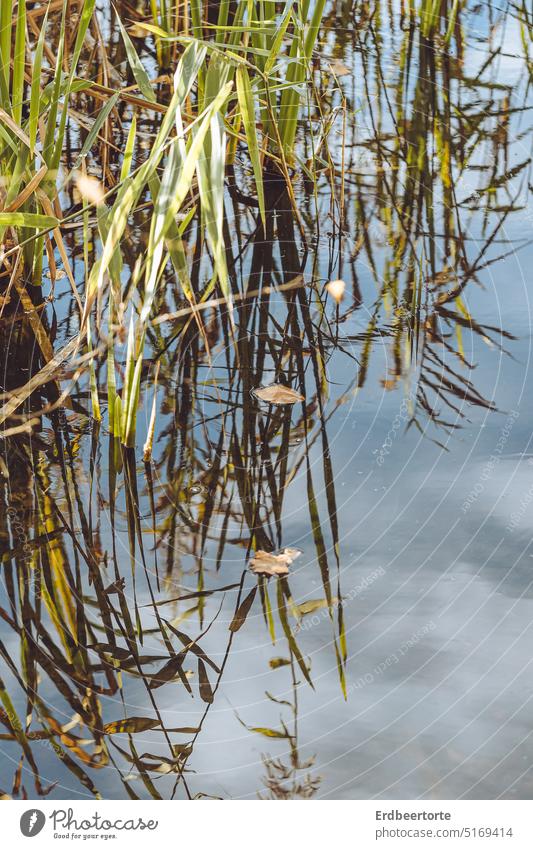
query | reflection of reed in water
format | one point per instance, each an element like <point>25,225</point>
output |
<point>428,129</point>
<point>93,626</point>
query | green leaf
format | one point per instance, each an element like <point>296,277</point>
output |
<point>35,94</point>
<point>141,77</point>
<point>312,605</point>
<point>18,62</point>
<point>51,124</point>
<point>282,611</point>
<point>210,171</point>
<point>175,185</point>
<point>128,151</point>
<point>187,70</point>
<point>280,34</point>
<point>83,23</point>
<point>96,127</point>
<point>28,219</point>
<point>246,105</point>
<point>153,29</point>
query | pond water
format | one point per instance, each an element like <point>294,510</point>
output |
<point>394,659</point>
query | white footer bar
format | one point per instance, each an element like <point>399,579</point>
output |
<point>260,825</point>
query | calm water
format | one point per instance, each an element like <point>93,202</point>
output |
<point>405,479</point>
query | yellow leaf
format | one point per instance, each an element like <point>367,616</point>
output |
<point>132,725</point>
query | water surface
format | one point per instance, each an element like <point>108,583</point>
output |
<point>405,478</point>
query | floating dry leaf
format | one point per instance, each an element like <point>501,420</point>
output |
<point>276,393</point>
<point>339,68</point>
<point>59,273</point>
<point>336,289</point>
<point>264,563</point>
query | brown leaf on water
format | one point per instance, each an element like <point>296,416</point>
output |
<point>339,68</point>
<point>206,693</point>
<point>276,393</point>
<point>169,671</point>
<point>59,274</point>
<point>116,652</point>
<point>192,646</point>
<point>264,563</point>
<point>336,288</point>
<point>241,614</point>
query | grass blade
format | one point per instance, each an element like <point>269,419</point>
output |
<point>246,104</point>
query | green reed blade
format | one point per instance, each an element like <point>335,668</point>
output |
<point>246,104</point>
